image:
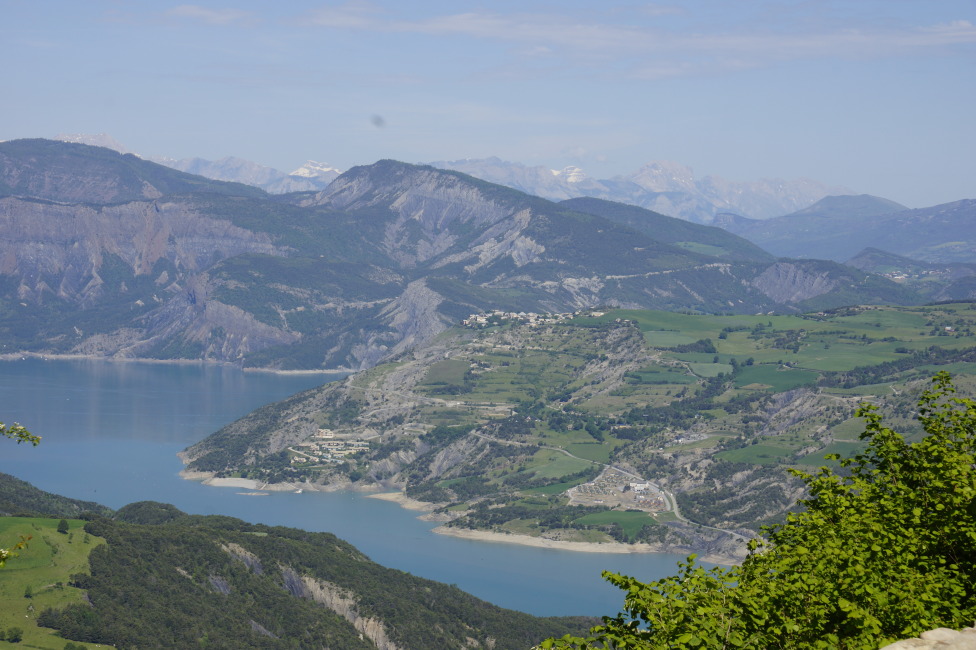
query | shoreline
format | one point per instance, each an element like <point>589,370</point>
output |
<point>240,483</point>
<point>405,502</point>
<point>579,547</point>
<point>43,356</point>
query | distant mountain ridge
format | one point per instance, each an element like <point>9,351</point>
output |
<point>839,227</point>
<point>49,170</point>
<point>662,186</point>
<point>139,260</point>
<point>311,176</point>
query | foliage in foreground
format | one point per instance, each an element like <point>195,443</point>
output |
<point>20,434</point>
<point>883,551</point>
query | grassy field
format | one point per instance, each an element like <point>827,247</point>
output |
<point>845,449</point>
<point>757,454</point>
<point>450,371</point>
<point>43,569</point>
<point>595,451</point>
<point>553,464</point>
<point>630,522</point>
<point>776,377</point>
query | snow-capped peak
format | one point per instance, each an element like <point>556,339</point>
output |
<point>570,174</point>
<point>313,169</point>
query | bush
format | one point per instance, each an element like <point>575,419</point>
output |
<point>883,551</point>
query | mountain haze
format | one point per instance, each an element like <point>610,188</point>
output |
<point>839,227</point>
<point>662,186</point>
<point>311,176</point>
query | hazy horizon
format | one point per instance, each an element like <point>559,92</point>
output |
<point>875,96</point>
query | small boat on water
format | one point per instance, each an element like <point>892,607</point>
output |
<point>298,491</point>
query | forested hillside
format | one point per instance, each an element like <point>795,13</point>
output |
<point>186,581</point>
<point>19,497</point>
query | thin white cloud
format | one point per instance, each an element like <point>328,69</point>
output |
<point>352,15</point>
<point>579,39</point>
<point>212,16</point>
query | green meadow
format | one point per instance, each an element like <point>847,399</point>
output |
<point>41,571</point>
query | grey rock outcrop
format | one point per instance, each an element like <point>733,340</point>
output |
<point>939,639</point>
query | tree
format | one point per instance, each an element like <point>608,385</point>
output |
<point>63,526</point>
<point>20,434</point>
<point>883,550</point>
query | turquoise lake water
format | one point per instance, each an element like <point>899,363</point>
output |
<point>111,432</point>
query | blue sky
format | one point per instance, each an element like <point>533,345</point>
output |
<point>878,96</point>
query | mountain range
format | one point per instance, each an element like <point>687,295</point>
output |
<point>108,254</point>
<point>663,186</point>
<point>312,175</point>
<point>840,227</point>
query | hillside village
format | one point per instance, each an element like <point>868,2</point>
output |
<point>324,447</point>
<point>499,317</point>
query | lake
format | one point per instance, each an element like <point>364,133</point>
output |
<point>111,431</point>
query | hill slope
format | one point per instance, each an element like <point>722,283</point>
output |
<point>20,497</point>
<point>77,173</point>
<point>231,584</point>
<point>712,240</point>
<point>838,228</point>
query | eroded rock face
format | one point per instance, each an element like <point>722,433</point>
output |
<point>787,283</point>
<point>939,639</point>
<point>341,601</point>
<point>71,242</point>
<point>427,207</point>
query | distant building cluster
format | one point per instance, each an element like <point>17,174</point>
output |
<point>904,276</point>
<point>615,490</point>
<point>325,448</point>
<point>499,317</point>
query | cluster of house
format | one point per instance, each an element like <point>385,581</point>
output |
<point>902,276</point>
<point>325,447</point>
<point>647,496</point>
<point>499,317</point>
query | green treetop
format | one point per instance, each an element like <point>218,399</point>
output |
<point>20,434</point>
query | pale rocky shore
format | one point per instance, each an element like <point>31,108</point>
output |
<point>207,478</point>
<point>582,547</point>
<point>939,639</point>
<point>17,356</point>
